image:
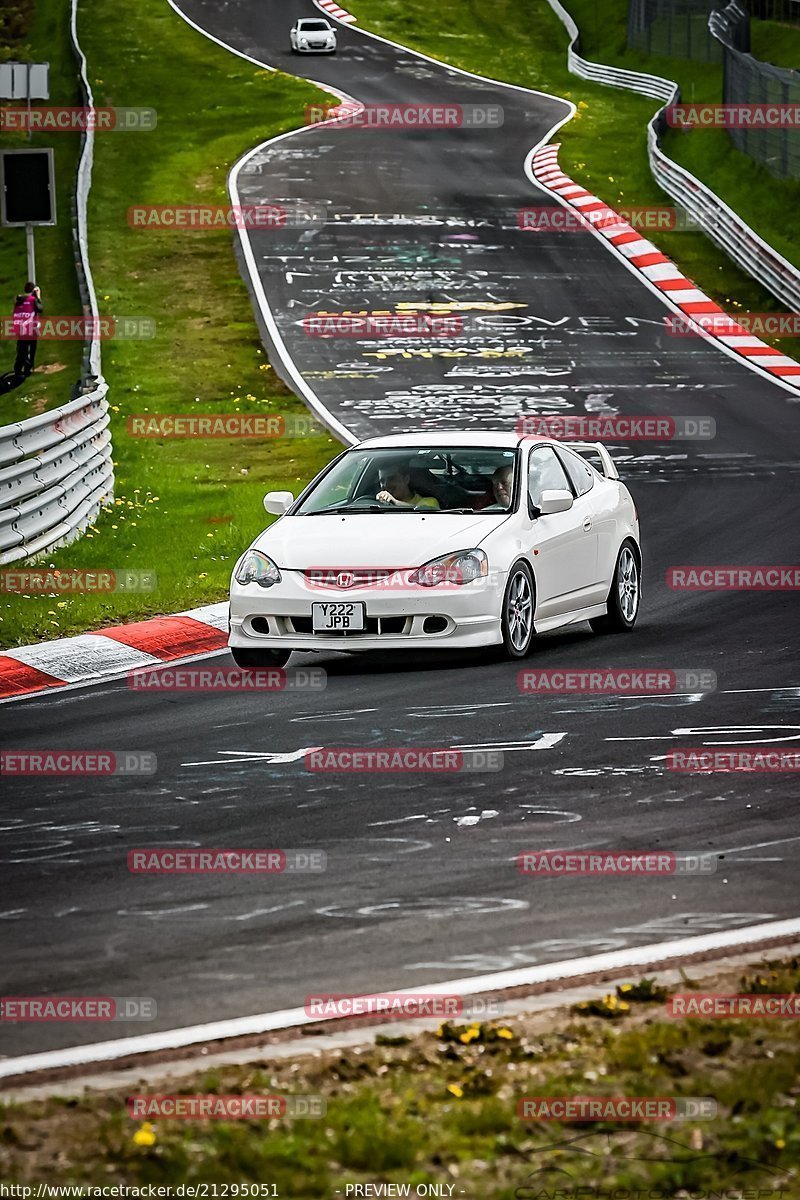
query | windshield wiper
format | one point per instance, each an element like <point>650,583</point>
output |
<point>381,508</point>
<point>344,508</point>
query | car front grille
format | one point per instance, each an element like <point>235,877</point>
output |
<point>373,627</point>
<point>345,577</point>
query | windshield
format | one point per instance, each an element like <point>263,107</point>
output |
<point>314,26</point>
<point>416,479</point>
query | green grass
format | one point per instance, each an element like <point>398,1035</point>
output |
<point>184,509</point>
<point>605,147</point>
<point>41,33</point>
<point>774,42</point>
<point>443,1108</point>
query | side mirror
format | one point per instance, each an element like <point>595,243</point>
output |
<point>276,503</point>
<point>555,502</point>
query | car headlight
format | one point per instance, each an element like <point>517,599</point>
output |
<point>462,567</point>
<point>303,41</point>
<point>255,567</point>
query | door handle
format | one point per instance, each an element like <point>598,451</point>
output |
<point>587,524</point>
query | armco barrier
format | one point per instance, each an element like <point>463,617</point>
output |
<point>55,475</point>
<point>720,223</point>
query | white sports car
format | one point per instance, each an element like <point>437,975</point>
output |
<point>440,540</point>
<point>312,35</point>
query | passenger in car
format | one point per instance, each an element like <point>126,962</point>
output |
<point>502,486</point>
<point>396,490</point>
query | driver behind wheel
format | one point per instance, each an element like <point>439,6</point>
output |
<point>395,489</point>
<point>502,487</point>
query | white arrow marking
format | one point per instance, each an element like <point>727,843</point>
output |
<point>267,756</point>
<point>545,742</point>
<point>667,737</point>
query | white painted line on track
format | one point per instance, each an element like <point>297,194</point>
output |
<point>794,687</point>
<point>616,960</point>
<point>757,846</point>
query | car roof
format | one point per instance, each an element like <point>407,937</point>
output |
<point>305,21</point>
<point>489,438</point>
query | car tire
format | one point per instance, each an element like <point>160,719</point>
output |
<point>624,598</point>
<point>257,660</point>
<point>516,618</point>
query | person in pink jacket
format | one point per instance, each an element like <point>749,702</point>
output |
<point>27,309</point>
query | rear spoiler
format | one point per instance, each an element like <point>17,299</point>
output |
<point>594,453</point>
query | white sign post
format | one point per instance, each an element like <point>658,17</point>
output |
<point>26,81</point>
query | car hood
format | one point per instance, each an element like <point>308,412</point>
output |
<point>401,539</point>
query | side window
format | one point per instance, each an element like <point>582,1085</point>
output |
<point>545,474</point>
<point>579,471</point>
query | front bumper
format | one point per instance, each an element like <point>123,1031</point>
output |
<point>316,49</point>
<point>397,617</point>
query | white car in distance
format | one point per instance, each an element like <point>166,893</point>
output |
<point>440,540</point>
<point>312,35</point>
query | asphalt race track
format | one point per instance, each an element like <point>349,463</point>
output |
<point>421,882</point>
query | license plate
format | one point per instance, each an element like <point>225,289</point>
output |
<point>337,617</point>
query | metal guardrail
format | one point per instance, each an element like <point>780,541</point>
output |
<point>636,81</point>
<point>56,470</point>
<point>725,228</point>
<point>55,474</point>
